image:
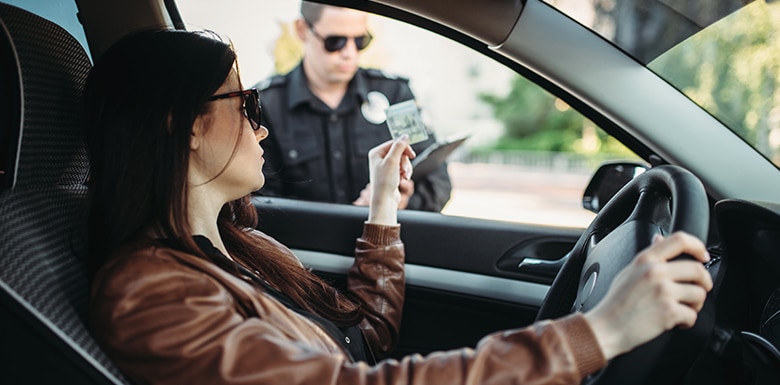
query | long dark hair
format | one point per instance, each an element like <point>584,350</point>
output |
<point>142,98</point>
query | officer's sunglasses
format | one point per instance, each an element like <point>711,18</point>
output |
<point>334,43</point>
<point>251,104</point>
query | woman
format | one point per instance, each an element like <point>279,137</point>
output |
<point>186,291</point>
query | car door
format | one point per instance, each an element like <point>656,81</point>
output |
<point>466,277</point>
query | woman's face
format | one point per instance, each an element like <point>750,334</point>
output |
<point>226,157</point>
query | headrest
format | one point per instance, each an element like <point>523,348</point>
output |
<point>42,134</point>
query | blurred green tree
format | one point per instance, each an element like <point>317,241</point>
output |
<point>535,120</point>
<point>531,119</point>
<point>733,70</point>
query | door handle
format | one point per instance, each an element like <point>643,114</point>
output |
<point>541,267</point>
<point>537,260</point>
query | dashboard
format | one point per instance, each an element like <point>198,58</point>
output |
<point>748,298</point>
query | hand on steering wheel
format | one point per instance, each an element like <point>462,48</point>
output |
<point>664,200</point>
<point>652,295</point>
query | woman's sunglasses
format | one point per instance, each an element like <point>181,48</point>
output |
<point>251,104</point>
<point>336,43</point>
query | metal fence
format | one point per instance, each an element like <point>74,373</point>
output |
<point>536,160</point>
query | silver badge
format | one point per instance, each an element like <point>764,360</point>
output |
<point>374,107</point>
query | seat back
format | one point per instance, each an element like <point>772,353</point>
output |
<point>44,291</point>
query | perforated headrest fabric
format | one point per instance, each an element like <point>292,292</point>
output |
<point>42,231</point>
<point>52,147</point>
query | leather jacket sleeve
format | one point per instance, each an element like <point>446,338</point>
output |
<point>377,280</point>
<point>168,319</point>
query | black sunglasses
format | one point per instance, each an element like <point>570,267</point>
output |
<point>336,43</point>
<point>251,104</point>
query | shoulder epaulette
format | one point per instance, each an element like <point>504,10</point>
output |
<point>273,81</point>
<point>377,73</point>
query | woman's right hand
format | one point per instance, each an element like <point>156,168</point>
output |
<point>652,294</point>
<point>388,163</point>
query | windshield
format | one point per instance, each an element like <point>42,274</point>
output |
<point>723,54</point>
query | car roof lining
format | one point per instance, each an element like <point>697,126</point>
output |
<point>490,21</point>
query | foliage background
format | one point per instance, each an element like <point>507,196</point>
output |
<point>733,70</point>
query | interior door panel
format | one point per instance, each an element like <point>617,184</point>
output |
<point>465,277</point>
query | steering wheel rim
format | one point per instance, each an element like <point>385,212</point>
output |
<point>662,200</point>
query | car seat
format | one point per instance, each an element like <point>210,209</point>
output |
<point>44,292</point>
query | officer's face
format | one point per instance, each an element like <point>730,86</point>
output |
<point>333,67</point>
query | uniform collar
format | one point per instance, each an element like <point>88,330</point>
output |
<point>359,86</point>
<point>299,92</point>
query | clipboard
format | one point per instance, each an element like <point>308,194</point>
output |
<point>433,157</point>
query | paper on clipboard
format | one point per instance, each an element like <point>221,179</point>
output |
<point>433,156</point>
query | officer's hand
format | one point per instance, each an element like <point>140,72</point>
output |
<point>406,188</point>
<point>365,196</point>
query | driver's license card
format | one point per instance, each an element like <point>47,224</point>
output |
<point>404,118</point>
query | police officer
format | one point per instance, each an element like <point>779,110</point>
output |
<point>327,113</point>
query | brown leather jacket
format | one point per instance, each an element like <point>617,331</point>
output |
<point>168,317</point>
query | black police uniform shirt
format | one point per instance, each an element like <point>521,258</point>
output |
<point>317,153</point>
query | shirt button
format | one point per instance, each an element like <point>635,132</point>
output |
<point>336,154</point>
<point>341,193</point>
<point>292,154</point>
<point>334,118</point>
<point>346,339</point>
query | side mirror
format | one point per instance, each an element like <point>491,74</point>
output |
<point>608,179</point>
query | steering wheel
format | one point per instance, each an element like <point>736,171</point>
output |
<point>662,200</point>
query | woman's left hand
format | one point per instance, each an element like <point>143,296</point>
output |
<point>405,187</point>
<point>388,164</point>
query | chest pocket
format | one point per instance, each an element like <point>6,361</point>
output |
<point>300,142</point>
<point>367,136</point>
